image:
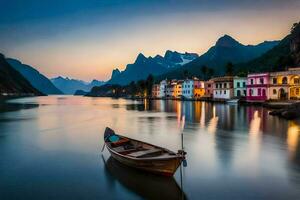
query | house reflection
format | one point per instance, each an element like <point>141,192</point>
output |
<point>254,129</point>
<point>293,135</point>
<point>213,123</point>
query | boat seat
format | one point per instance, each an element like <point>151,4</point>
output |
<point>122,141</point>
<point>140,154</point>
<point>122,150</point>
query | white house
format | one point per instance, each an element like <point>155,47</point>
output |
<point>163,89</point>
<point>223,87</point>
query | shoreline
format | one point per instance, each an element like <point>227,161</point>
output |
<point>267,104</point>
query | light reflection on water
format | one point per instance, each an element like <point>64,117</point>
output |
<point>50,148</point>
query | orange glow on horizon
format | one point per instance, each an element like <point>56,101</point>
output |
<point>89,53</point>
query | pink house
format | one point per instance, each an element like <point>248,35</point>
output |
<point>257,87</point>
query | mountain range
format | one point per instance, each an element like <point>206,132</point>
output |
<point>70,86</point>
<point>285,54</point>
<point>37,80</point>
<point>143,66</point>
<point>225,50</point>
<point>13,82</point>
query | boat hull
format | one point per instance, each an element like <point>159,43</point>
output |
<point>165,167</point>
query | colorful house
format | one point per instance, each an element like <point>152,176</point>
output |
<point>155,90</point>
<point>199,90</point>
<point>163,89</point>
<point>188,88</point>
<point>257,86</point>
<point>178,89</point>
<point>208,86</point>
<point>171,89</point>
<point>279,85</point>
<point>239,85</point>
<point>223,87</point>
<point>294,83</point>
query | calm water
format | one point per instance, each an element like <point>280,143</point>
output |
<point>50,149</point>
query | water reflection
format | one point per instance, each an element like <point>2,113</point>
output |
<point>213,123</point>
<point>257,154</point>
<point>293,134</point>
<point>9,107</point>
<point>146,185</point>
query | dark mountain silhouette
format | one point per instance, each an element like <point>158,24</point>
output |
<point>70,86</point>
<point>225,50</point>
<point>144,66</point>
<point>12,82</point>
<point>285,54</point>
<point>37,80</point>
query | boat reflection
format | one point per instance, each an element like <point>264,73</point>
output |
<point>146,185</point>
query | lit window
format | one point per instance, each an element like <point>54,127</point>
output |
<point>284,80</point>
<point>261,80</point>
<point>297,91</point>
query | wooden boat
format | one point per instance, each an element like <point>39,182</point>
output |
<point>141,155</point>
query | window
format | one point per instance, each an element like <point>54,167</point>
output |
<point>244,92</point>
<point>208,85</point>
<point>251,80</point>
<point>263,92</point>
<point>225,85</point>
<point>274,80</point>
<point>250,92</point>
<point>238,84</point>
<point>261,80</point>
<point>284,80</point>
<point>224,91</point>
<point>296,80</point>
<point>297,91</point>
<point>216,92</point>
<point>259,91</point>
<point>274,91</point>
<point>244,84</point>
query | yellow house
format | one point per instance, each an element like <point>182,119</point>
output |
<point>199,90</point>
<point>178,89</point>
<point>294,83</point>
<point>285,85</point>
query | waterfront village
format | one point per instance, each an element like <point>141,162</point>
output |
<point>256,87</point>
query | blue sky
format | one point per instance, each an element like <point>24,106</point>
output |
<point>86,39</point>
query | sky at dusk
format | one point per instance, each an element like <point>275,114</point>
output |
<point>86,39</point>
